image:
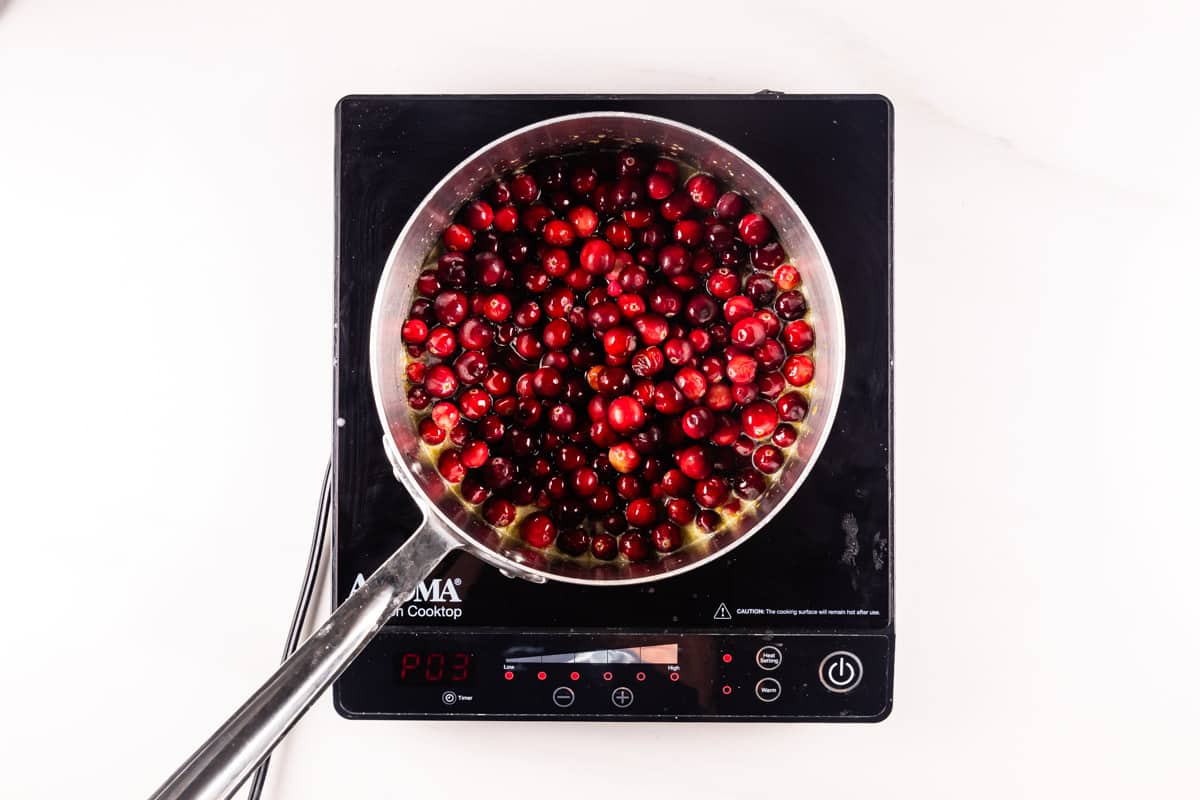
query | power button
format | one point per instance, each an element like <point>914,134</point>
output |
<point>840,671</point>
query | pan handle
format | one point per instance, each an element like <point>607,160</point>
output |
<point>218,768</point>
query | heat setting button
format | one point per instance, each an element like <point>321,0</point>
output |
<point>622,697</point>
<point>563,697</point>
<point>769,657</point>
<point>841,671</point>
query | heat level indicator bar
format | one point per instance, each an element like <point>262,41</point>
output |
<point>652,654</point>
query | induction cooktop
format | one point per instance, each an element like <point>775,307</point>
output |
<point>796,624</point>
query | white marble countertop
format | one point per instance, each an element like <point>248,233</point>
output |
<point>166,229</point>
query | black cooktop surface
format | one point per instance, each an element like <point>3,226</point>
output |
<point>824,562</point>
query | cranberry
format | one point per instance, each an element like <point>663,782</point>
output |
<point>499,511</point>
<point>604,546</point>
<point>748,332</point>
<point>702,190</point>
<point>678,351</point>
<point>629,487</point>
<point>659,186</point>
<point>524,189</point>
<point>445,415</point>
<point>726,431</point>
<point>666,537</point>
<point>784,436</point>
<point>666,300</point>
<point>478,215</point>
<point>708,520</point>
<point>474,455</point>
<point>597,256</point>
<point>759,288</point>
<point>759,419</point>
<point>623,457</point>
<point>547,382</point>
<point>631,305</point>
<point>768,257</point>
<point>675,207</point>
<point>498,472</point>
<point>718,235</point>
<point>538,530</point>
<point>626,415</point>
<point>680,510</point>
<point>507,219</point>
<point>612,381</point>
<point>450,307</point>
<point>497,382</point>
<point>741,368</point>
<point>799,336</point>
<point>711,492</point>
<point>719,397</point>
<point>768,458</point>
<point>730,206</point>
<point>798,370</point>
<point>497,307</point>
<point>641,512</point>
<point>528,346</point>
<point>787,277</point>
<point>414,330</point>
<point>754,229</point>
<point>674,259</point>
<point>430,432</point>
<point>458,238</point>
<point>620,341</point>
<point>722,283</point>
<point>791,305</point>
<point>450,466</point>
<point>701,309</point>
<point>652,329</point>
<point>418,398</point>
<point>475,403</point>
<point>698,422</point>
<point>647,362</point>
<point>583,220</point>
<point>695,462</point>
<point>793,406</point>
<point>440,381</point>
<point>668,399</point>
<point>749,484</point>
<point>770,384</point>
<point>688,232</point>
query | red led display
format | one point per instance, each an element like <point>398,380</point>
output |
<point>436,668</point>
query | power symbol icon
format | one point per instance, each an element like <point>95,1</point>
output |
<point>840,671</point>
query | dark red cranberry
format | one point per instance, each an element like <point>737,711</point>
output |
<point>498,472</point>
<point>665,300</point>
<point>770,354</point>
<point>458,237</point>
<point>604,546</point>
<point>659,186</point>
<point>627,192</point>
<point>768,459</point>
<point>524,189</point>
<point>792,406</point>
<point>798,335</point>
<point>718,235</point>
<point>597,256</point>
<point>666,537</point>
<point>478,215</point>
<point>418,398</point>
<point>730,206</point>
<point>427,283</point>
<point>612,381</point>
<point>680,510</point>
<point>626,415</point>
<point>695,462</point>
<point>698,422</point>
<point>723,283</point>
<point>450,307</point>
<point>522,492</point>
<point>547,382</point>
<point>583,179</point>
<point>770,384</point>
<point>754,229</point>
<point>499,511</point>
<point>450,466</point>
<point>668,399</point>
<point>675,207</point>
<point>528,346</point>
<point>768,257</point>
<point>641,512</point>
<point>749,484</point>
<point>689,233</point>
<point>708,520</point>
<point>573,542</point>
<point>711,492</point>
<point>791,305</point>
<point>538,530</point>
<point>784,436</point>
<point>759,288</point>
<point>647,362</point>
<point>701,309</point>
<point>674,259</point>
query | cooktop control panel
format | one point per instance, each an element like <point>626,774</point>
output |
<point>701,676</point>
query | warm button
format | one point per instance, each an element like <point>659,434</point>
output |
<point>767,690</point>
<point>840,671</point>
<point>769,657</point>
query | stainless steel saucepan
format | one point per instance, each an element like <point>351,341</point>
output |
<point>222,763</point>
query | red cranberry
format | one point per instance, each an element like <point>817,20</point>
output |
<point>478,215</point>
<point>770,384</point>
<point>768,257</point>
<point>674,259</point>
<point>659,186</point>
<point>675,207</point>
<point>688,232</point>
<point>708,520</point>
<point>770,354</point>
<point>475,403</point>
<point>427,283</point>
<point>652,329</point>
<point>798,335</point>
<point>695,462</point>
<point>458,238</point>
<point>626,415</point>
<point>668,399</point>
<point>441,342</point>
<point>759,288</point>
<point>497,382</point>
<point>744,393</point>
<point>754,229</point>
<point>730,206</point>
<point>702,189</point>
<point>604,546</point>
<point>678,351</point>
<point>691,382</point>
<point>723,283</point>
<point>583,179</point>
<point>414,330</point>
<point>627,193</point>
<point>597,256</point>
<point>768,458</point>
<point>726,431</point>
<point>430,432</point>
<point>784,436</point>
<point>719,397</point>
<point>418,398</point>
<point>759,419</point>
<point>450,307</point>
<point>604,498</point>
<point>440,381</point>
<point>793,406</point>
<point>620,341</point>
<point>737,308</point>
<point>498,472</point>
<point>445,415</point>
<point>450,466</point>
<point>711,492</point>
<point>499,511</point>
<point>680,510</point>
<point>741,368</point>
<point>665,300</point>
<point>698,422</point>
<point>791,305</point>
<point>641,512</point>
<point>611,381</point>
<point>497,307</point>
<point>623,457</point>
<point>585,481</point>
<point>798,370</point>
<point>787,277</point>
<point>474,455</point>
<point>547,382</point>
<point>666,537</point>
<point>507,219</point>
<point>524,189</point>
<point>528,346</point>
<point>647,362</point>
<point>538,530</point>
<point>749,484</point>
<point>701,309</point>
<point>748,332</point>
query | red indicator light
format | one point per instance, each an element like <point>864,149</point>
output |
<point>574,676</point>
<point>508,676</point>
<point>608,676</point>
<point>541,676</point>
<point>727,689</point>
<point>727,658</point>
<point>641,676</point>
<point>674,676</point>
